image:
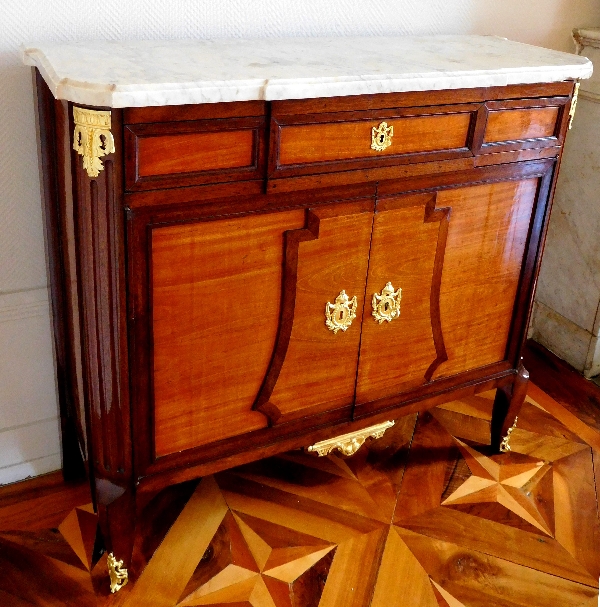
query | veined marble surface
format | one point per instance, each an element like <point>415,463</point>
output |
<point>149,73</point>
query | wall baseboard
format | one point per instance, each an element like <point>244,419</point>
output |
<point>36,467</point>
<point>566,339</point>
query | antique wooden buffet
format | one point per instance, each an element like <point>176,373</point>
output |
<point>257,246</point>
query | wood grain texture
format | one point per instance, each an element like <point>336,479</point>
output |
<point>40,503</point>
<point>312,391</point>
<point>578,530</point>
<point>401,579</point>
<point>568,416</point>
<point>408,177</point>
<point>311,143</point>
<point>193,153</point>
<point>164,579</point>
<point>209,194</point>
<point>596,458</point>
<point>228,276</point>
<point>555,444</point>
<point>390,172</point>
<point>490,157</point>
<point>292,239</point>
<point>516,92</point>
<point>387,526</point>
<point>100,237</point>
<point>395,356</point>
<point>54,140</point>
<point>441,217</point>
<point>102,284</point>
<point>318,372</point>
<point>494,536</point>
<point>462,573</point>
<point>200,111</point>
<point>468,418</point>
<point>487,236</point>
<point>531,264</point>
<point>518,124</point>
<point>578,400</point>
<point>270,441</point>
<point>425,475</point>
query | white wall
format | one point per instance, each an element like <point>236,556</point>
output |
<point>29,441</point>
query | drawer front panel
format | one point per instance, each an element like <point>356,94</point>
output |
<point>395,355</point>
<point>519,124</point>
<point>195,153</point>
<point>174,154</point>
<point>329,142</point>
<point>349,140</point>
<point>216,291</point>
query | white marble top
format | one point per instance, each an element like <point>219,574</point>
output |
<point>145,73</point>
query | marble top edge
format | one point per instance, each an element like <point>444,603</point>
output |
<point>150,73</point>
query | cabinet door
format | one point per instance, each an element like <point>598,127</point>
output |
<point>314,365</point>
<point>487,237</point>
<point>216,292</point>
<point>456,255</point>
<point>239,321</point>
<point>398,352</point>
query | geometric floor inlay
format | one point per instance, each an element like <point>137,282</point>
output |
<point>423,517</point>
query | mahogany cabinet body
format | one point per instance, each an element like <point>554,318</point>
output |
<point>190,279</point>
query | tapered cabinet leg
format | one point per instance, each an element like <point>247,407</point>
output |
<point>117,518</point>
<point>100,243</point>
<point>507,405</point>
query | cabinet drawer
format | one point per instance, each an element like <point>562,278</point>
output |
<point>194,152</point>
<point>318,143</point>
<point>512,125</point>
<point>524,123</point>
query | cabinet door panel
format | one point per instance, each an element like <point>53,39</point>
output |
<point>395,356</point>
<point>487,235</point>
<point>216,292</point>
<point>314,369</point>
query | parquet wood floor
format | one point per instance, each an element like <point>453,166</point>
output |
<point>423,517</point>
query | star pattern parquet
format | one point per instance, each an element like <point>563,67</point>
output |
<point>499,483</point>
<point>424,517</point>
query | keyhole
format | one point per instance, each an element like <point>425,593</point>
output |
<point>387,306</point>
<point>381,138</point>
<point>341,315</point>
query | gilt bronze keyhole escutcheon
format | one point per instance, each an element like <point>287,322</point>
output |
<point>339,315</point>
<point>386,305</point>
<point>381,137</point>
